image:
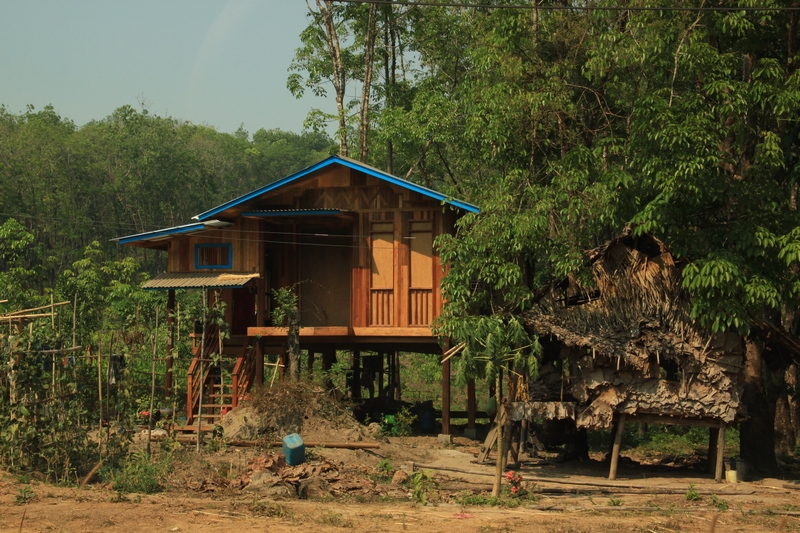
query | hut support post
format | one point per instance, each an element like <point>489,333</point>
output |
<point>720,453</point>
<point>612,474</point>
<point>446,397</point>
<point>713,436</point>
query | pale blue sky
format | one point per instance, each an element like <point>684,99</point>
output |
<point>215,62</point>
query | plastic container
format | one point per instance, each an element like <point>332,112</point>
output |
<point>427,421</point>
<point>294,449</point>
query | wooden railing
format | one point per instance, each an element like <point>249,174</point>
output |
<point>194,380</point>
<point>244,372</point>
<point>420,307</point>
<point>381,307</point>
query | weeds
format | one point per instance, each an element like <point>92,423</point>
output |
<point>719,503</point>
<point>424,486</point>
<point>24,495</point>
<point>269,509</point>
<point>615,502</point>
<point>692,495</point>
<point>336,520</point>
<point>142,475</point>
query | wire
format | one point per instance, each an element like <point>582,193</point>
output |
<point>424,3</point>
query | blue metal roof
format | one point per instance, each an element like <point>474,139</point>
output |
<point>166,232</point>
<point>366,169</point>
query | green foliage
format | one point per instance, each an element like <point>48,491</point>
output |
<point>285,305</point>
<point>403,420</point>
<point>424,486</point>
<point>692,495</point>
<point>24,495</point>
<point>142,474</point>
<point>719,503</point>
<point>615,502</point>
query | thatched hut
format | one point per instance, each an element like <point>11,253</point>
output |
<point>626,348</point>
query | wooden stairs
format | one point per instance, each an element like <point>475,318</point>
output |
<point>220,375</point>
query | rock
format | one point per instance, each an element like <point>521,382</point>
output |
<point>262,479</point>
<point>375,430</point>
<point>313,489</point>
<point>399,477</point>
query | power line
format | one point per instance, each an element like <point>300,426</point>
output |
<point>425,3</point>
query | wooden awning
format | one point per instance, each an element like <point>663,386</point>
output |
<point>199,280</point>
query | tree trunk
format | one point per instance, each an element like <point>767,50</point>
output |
<point>369,49</point>
<point>293,344</point>
<point>757,433</point>
<point>339,75</point>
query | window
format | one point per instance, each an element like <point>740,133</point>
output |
<point>213,256</point>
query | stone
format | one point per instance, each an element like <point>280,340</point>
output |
<point>399,477</point>
<point>445,439</point>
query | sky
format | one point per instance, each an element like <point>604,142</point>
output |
<point>213,62</point>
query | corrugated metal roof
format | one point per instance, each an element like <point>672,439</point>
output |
<point>347,162</point>
<point>168,232</point>
<point>290,212</point>
<point>198,280</point>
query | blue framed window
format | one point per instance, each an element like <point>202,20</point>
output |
<point>213,256</point>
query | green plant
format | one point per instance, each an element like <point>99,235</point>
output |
<point>424,486</point>
<point>403,421</point>
<point>24,495</point>
<point>335,520</point>
<point>615,502</point>
<point>140,474</point>
<point>692,495</point>
<point>719,503</point>
<point>269,509</point>
<point>383,471</point>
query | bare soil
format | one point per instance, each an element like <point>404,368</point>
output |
<point>246,489</point>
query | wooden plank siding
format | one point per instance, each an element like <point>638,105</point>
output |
<point>399,289</point>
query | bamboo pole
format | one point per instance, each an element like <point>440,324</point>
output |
<point>52,313</point>
<point>29,310</point>
<point>99,392</point>
<point>74,314</point>
<point>202,347</point>
<point>152,385</point>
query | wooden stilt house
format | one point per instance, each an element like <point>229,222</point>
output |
<point>355,243</point>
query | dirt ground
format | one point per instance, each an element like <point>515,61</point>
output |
<point>636,504</point>
<point>244,488</point>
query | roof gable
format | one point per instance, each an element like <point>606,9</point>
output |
<point>346,162</point>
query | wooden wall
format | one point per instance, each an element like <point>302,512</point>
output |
<point>243,236</point>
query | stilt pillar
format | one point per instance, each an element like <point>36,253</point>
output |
<point>446,397</point>
<point>612,474</point>
<point>720,453</point>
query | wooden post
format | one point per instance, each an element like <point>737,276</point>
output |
<point>152,385</point>
<point>355,374</point>
<point>446,397</point>
<point>720,453</point>
<point>259,363</point>
<point>612,474</point>
<point>396,377</point>
<point>471,404</point>
<point>523,436</point>
<point>310,363</point>
<point>381,357</point>
<point>170,342</point>
<point>713,436</point>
